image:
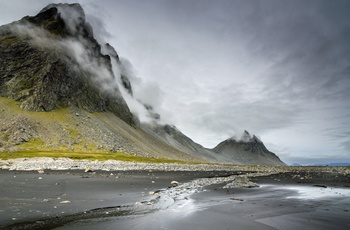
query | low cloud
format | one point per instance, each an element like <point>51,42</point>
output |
<point>79,56</point>
<point>278,69</point>
<point>140,106</point>
<point>82,54</point>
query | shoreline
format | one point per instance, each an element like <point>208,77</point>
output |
<point>47,163</point>
<point>170,196</point>
<point>54,198</point>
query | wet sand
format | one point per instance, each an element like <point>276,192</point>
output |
<point>122,200</point>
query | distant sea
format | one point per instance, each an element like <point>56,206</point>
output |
<point>325,164</point>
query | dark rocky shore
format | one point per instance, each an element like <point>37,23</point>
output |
<point>119,195</point>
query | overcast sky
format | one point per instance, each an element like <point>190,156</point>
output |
<point>279,69</point>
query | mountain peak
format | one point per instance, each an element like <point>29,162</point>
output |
<point>64,20</point>
<point>73,16</point>
<point>73,10</point>
<point>256,139</point>
<point>249,149</point>
<point>245,136</point>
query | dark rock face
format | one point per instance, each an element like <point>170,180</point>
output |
<point>127,84</point>
<point>111,51</point>
<point>47,64</point>
<point>123,77</point>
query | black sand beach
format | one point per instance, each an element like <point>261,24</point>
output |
<point>147,200</point>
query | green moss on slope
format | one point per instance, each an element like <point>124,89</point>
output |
<point>33,143</point>
<point>9,39</point>
<point>101,156</point>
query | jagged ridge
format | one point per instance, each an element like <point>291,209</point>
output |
<point>248,150</point>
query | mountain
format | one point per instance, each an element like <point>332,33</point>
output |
<point>50,63</point>
<point>62,90</point>
<point>175,138</point>
<point>248,150</point>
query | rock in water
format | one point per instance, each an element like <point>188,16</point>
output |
<point>65,202</point>
<point>89,170</point>
<point>174,183</point>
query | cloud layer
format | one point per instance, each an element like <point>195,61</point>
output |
<point>279,69</point>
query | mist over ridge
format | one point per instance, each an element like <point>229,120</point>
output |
<point>148,106</point>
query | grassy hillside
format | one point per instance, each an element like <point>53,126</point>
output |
<point>77,134</point>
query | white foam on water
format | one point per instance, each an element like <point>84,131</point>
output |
<point>305,192</point>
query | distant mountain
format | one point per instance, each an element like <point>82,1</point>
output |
<point>247,150</point>
<point>333,164</point>
<point>341,164</point>
<point>175,138</point>
<point>61,90</point>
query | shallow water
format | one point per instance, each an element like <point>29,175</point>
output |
<point>203,204</point>
<point>268,207</point>
<point>307,192</point>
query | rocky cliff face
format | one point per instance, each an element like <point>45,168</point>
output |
<point>52,60</point>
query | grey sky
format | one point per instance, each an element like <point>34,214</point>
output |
<point>280,69</point>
